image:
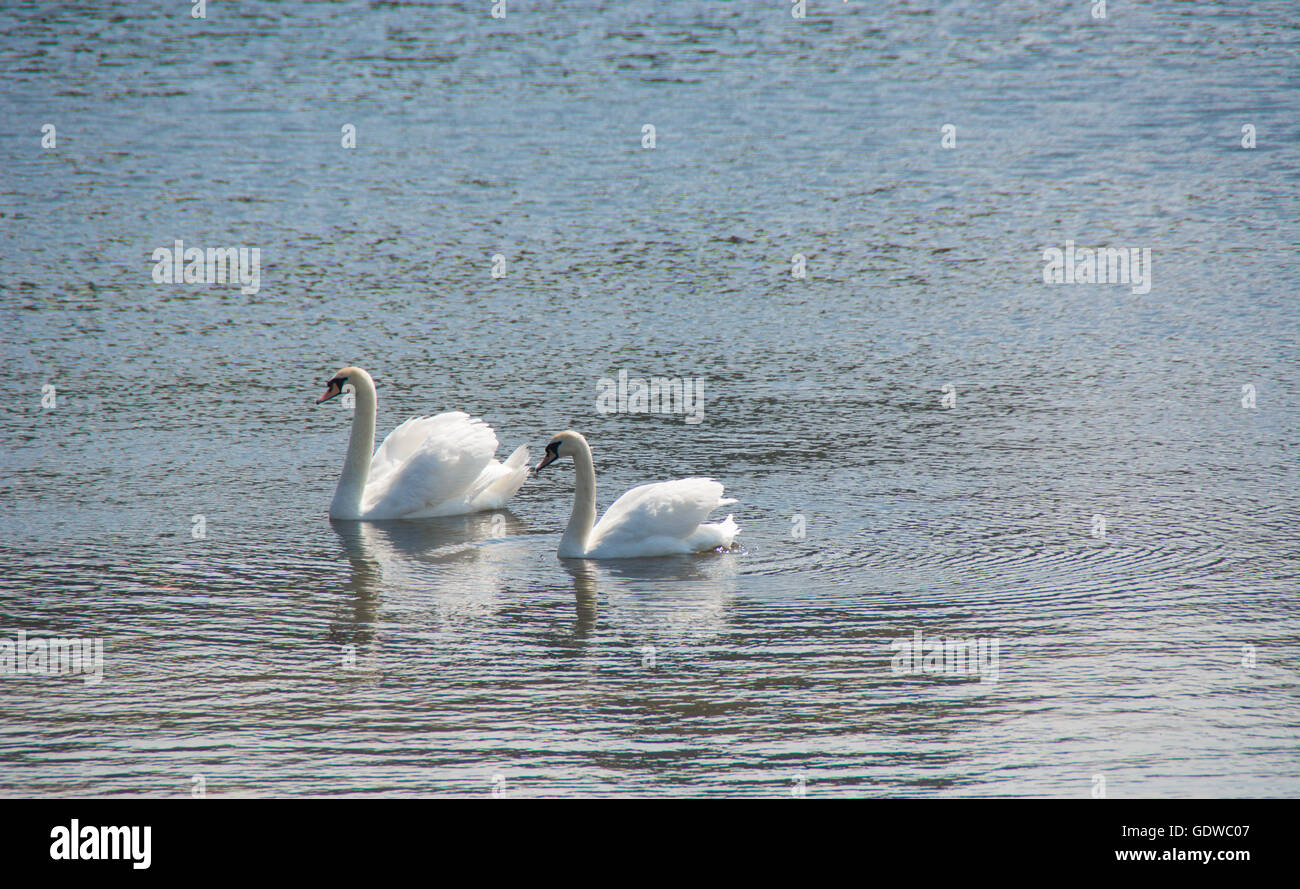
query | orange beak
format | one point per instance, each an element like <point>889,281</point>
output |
<point>551,457</point>
<point>331,391</point>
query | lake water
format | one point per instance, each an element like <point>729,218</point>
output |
<point>923,436</point>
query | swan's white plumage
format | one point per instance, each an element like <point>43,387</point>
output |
<point>662,518</point>
<point>435,466</point>
<point>498,482</point>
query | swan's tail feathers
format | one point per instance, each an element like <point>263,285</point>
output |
<point>714,535</point>
<point>727,501</point>
<point>500,481</point>
<point>518,458</point>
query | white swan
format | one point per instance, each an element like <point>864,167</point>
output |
<point>428,466</point>
<point>658,519</point>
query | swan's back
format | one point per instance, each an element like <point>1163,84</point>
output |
<point>663,517</point>
<point>426,462</point>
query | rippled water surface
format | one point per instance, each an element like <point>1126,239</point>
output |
<point>1159,652</point>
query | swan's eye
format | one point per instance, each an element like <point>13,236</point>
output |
<point>553,449</point>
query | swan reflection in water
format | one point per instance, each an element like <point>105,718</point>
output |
<point>454,565</point>
<point>463,574</point>
<point>663,600</point>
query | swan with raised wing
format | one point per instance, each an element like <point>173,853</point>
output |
<point>428,466</point>
<point>658,519</point>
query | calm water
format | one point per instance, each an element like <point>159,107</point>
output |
<point>1161,655</point>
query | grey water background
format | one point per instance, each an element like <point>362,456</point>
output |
<point>485,662</point>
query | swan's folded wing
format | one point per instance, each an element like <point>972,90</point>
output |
<point>672,510</point>
<point>427,461</point>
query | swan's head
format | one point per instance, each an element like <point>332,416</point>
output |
<point>564,444</point>
<point>353,378</point>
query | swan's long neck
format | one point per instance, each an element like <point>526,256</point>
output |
<point>361,448</point>
<point>583,518</point>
